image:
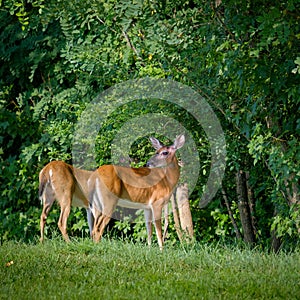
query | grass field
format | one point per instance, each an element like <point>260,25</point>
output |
<point>121,270</point>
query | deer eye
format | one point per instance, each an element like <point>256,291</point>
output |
<point>165,153</point>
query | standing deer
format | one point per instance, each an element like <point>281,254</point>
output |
<point>68,185</point>
<point>147,188</point>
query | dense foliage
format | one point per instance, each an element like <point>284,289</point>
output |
<point>242,56</point>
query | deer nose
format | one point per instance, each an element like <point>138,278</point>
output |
<point>148,164</point>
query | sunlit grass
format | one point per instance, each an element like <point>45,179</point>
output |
<point>122,270</point>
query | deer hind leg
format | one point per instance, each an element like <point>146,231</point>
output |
<point>97,219</point>
<point>48,199</point>
<point>148,221</point>
<point>104,217</point>
<point>103,204</point>
<point>99,227</point>
<point>65,206</point>
<point>90,219</point>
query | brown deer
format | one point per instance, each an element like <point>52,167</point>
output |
<point>147,188</point>
<point>68,185</point>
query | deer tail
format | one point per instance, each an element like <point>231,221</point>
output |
<point>42,183</point>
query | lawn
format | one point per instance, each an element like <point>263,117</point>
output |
<point>122,270</point>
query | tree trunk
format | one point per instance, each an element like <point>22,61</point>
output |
<point>176,216</point>
<point>182,213</point>
<point>235,226</point>
<point>244,208</point>
<point>275,240</point>
<point>182,197</point>
<point>251,202</point>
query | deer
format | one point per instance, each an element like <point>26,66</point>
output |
<point>68,185</point>
<point>148,188</point>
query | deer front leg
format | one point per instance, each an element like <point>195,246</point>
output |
<point>166,221</point>
<point>158,229</point>
<point>157,212</point>
<point>148,221</point>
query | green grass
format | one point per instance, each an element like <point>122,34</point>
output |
<point>121,270</point>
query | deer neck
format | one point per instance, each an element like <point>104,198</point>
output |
<point>172,171</point>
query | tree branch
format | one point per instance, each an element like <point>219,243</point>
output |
<point>130,44</point>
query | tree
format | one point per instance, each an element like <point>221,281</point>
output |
<point>242,57</point>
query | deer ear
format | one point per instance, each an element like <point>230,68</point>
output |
<point>156,143</point>
<point>179,141</point>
